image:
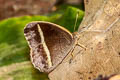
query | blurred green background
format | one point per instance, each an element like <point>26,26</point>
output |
<point>14,51</point>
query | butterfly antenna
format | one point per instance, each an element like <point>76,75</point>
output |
<point>76,19</point>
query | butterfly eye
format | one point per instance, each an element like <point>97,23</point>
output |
<point>49,44</point>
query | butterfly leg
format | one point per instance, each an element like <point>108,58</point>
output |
<point>82,46</point>
<point>72,54</point>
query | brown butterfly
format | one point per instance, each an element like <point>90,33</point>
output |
<point>49,44</point>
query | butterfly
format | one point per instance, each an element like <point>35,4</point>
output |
<point>49,44</point>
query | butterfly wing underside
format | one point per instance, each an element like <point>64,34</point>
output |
<point>49,44</point>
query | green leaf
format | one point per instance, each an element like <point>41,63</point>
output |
<point>69,17</point>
